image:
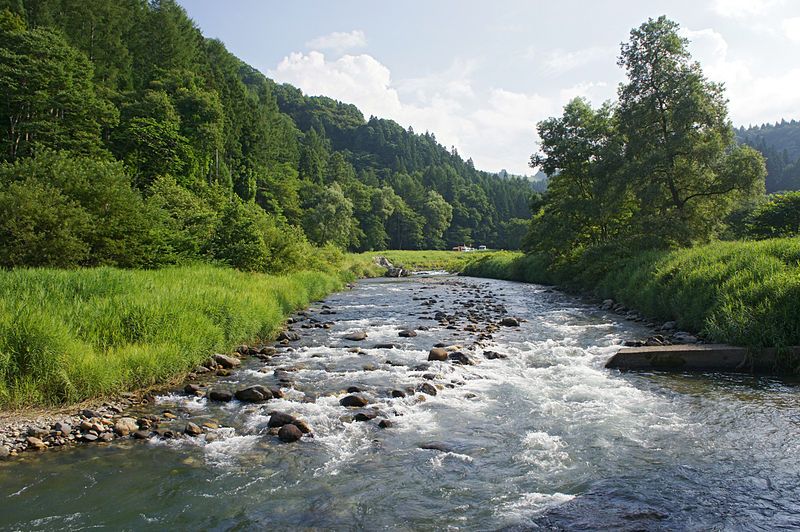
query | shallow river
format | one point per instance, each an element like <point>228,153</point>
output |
<point>543,439</point>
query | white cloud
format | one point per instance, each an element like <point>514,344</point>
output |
<point>753,97</point>
<point>744,8</point>
<point>558,61</point>
<point>338,41</point>
<point>791,28</point>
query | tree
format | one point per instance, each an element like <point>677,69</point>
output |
<point>682,160</point>
<point>329,216</point>
<point>48,94</point>
<point>778,217</point>
<point>437,214</point>
<point>586,202</point>
<point>41,227</point>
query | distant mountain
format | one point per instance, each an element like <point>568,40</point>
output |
<point>780,144</point>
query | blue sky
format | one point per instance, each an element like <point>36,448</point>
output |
<point>481,74</point>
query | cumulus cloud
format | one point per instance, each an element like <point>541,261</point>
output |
<point>496,129</point>
<point>791,28</point>
<point>744,8</point>
<point>339,41</point>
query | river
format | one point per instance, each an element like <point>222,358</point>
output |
<point>543,439</point>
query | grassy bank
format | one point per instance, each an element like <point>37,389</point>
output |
<point>69,335</point>
<point>743,293</point>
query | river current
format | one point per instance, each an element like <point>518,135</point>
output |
<point>545,438</point>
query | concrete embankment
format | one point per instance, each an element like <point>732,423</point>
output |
<point>704,357</point>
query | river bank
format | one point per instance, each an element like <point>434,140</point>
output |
<point>738,293</point>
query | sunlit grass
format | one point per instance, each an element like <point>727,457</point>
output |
<point>66,336</point>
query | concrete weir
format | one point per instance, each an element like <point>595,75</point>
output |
<point>700,357</point>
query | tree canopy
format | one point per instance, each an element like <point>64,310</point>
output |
<point>659,167</point>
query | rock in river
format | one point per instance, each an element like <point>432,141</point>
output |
<point>226,362</point>
<point>509,321</point>
<point>356,336</point>
<point>125,426</point>
<point>289,433</point>
<point>254,394</point>
<point>353,401</point>
<point>279,419</point>
<point>365,415</point>
<point>437,353</point>
<point>192,429</point>
<point>427,388</point>
<point>436,446</point>
<point>460,358</point>
<point>407,333</point>
<point>220,395</point>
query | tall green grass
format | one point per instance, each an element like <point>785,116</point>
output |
<point>66,336</point>
<point>743,293</point>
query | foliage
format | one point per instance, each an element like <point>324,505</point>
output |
<point>780,144</point>
<point>779,216</point>
<point>658,169</point>
<point>137,80</point>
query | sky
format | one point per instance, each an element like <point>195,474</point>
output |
<point>480,74</point>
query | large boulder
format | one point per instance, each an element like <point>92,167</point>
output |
<point>125,426</point>
<point>192,429</point>
<point>354,401</point>
<point>356,336</point>
<point>407,333</point>
<point>289,336</point>
<point>226,361</point>
<point>460,358</point>
<point>509,321</point>
<point>438,353</point>
<point>427,388</point>
<point>253,394</point>
<point>289,433</point>
<point>279,419</point>
<point>220,395</point>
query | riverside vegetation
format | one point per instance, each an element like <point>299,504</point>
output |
<point>155,149</point>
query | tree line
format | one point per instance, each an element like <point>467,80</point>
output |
<point>780,145</point>
<point>130,139</point>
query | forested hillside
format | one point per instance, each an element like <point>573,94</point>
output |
<point>780,144</point>
<point>130,139</point>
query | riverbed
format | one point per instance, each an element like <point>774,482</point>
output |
<point>532,432</point>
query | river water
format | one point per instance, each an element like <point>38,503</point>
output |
<point>543,439</point>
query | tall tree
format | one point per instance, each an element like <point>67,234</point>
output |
<point>683,162</point>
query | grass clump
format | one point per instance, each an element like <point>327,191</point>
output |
<point>66,336</point>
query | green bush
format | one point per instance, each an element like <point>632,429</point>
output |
<point>778,217</point>
<point>39,226</point>
<point>117,227</point>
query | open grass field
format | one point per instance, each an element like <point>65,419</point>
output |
<point>452,261</point>
<point>69,335</point>
<point>743,293</point>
